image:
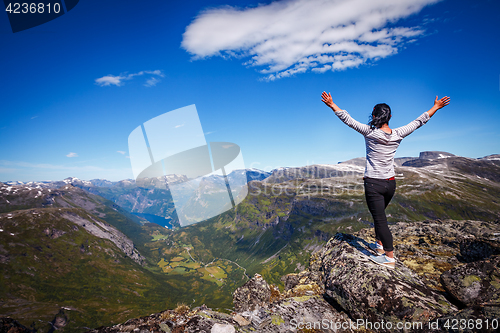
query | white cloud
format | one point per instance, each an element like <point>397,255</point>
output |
<point>72,155</point>
<point>152,82</point>
<point>156,72</point>
<point>109,80</point>
<point>121,152</point>
<point>118,80</point>
<point>294,36</point>
<point>177,126</point>
<point>34,117</point>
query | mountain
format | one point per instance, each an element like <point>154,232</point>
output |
<point>64,257</point>
<point>399,161</point>
<point>103,182</point>
<point>430,155</point>
<point>287,215</point>
<point>64,250</point>
<point>491,157</point>
<point>152,197</point>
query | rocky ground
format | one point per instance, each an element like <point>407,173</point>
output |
<point>447,279</point>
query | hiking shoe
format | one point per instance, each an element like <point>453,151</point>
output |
<point>383,261</point>
<point>379,249</point>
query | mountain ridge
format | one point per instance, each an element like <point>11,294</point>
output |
<point>256,172</point>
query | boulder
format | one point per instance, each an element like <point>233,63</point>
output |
<point>222,328</point>
<point>373,292</point>
<point>431,247</point>
<point>300,307</point>
<point>477,249</point>
<point>305,314</point>
<point>198,320</point>
<point>13,326</point>
<point>252,295</point>
<point>305,283</point>
<point>474,283</point>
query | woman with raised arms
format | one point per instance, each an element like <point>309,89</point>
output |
<point>379,182</point>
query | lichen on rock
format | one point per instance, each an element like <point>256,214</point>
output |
<point>366,290</point>
<point>252,295</point>
<point>474,283</point>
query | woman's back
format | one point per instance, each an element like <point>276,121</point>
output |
<point>381,146</point>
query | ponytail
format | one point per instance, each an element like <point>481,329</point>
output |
<point>380,115</point>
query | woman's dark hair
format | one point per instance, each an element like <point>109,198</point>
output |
<point>380,115</point>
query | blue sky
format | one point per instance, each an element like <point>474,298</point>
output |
<point>73,89</point>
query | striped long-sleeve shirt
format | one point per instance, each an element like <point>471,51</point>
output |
<point>381,146</point>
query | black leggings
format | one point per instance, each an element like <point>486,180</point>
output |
<point>378,194</point>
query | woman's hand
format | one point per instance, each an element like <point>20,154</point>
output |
<point>327,99</point>
<point>441,103</point>
<point>438,104</point>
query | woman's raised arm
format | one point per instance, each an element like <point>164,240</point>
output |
<point>344,115</point>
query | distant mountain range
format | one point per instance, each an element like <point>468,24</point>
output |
<point>151,198</point>
<point>76,244</point>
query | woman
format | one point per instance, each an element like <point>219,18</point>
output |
<point>381,144</point>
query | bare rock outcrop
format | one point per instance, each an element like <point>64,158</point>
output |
<point>474,283</point>
<point>106,231</point>
<point>368,291</point>
<point>477,286</point>
<point>284,313</point>
<point>13,326</point>
<point>252,295</point>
